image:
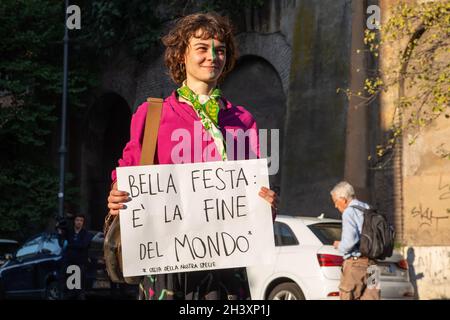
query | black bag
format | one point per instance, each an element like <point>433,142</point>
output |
<point>112,250</point>
<point>377,235</point>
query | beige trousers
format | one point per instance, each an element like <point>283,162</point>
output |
<point>354,277</point>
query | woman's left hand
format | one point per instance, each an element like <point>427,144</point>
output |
<point>271,197</point>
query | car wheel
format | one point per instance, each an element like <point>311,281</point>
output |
<point>286,291</point>
<point>52,291</point>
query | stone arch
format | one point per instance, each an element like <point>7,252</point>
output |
<point>256,85</point>
<point>106,130</point>
<point>272,47</point>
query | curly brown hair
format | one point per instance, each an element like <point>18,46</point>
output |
<point>211,25</point>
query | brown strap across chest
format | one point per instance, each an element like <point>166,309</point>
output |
<point>151,131</point>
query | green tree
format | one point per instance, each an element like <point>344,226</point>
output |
<point>422,70</point>
<point>139,25</point>
<point>30,96</point>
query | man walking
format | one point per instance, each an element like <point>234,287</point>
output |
<point>353,285</point>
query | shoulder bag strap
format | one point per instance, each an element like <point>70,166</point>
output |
<point>151,131</point>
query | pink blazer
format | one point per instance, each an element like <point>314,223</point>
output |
<point>179,138</point>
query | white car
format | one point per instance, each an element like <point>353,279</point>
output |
<point>307,266</point>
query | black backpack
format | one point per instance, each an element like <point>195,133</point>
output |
<point>377,235</point>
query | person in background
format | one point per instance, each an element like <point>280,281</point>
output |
<point>75,244</point>
<point>353,284</point>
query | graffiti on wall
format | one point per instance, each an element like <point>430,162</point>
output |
<point>426,215</point>
<point>444,189</point>
<point>430,271</point>
<point>427,209</point>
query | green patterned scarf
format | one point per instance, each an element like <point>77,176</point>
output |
<point>208,113</point>
<point>210,107</point>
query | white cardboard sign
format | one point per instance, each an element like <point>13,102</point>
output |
<point>192,217</point>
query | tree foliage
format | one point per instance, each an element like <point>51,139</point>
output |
<point>139,25</point>
<point>30,95</point>
<point>421,71</point>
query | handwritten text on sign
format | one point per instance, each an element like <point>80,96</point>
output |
<point>191,217</point>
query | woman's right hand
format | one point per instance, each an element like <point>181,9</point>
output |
<point>117,199</point>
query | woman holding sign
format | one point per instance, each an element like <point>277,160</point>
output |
<point>200,51</point>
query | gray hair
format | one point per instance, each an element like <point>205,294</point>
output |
<point>343,190</point>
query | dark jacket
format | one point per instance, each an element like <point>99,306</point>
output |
<point>76,250</point>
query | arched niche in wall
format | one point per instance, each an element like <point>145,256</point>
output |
<point>106,130</point>
<point>256,85</point>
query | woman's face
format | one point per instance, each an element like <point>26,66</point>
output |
<point>204,59</point>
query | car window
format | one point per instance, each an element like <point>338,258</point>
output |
<point>327,232</point>
<point>52,245</point>
<point>284,235</point>
<point>29,248</point>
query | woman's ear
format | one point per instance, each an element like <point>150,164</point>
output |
<point>183,61</point>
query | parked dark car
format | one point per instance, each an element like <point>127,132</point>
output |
<point>33,271</point>
<point>7,249</point>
